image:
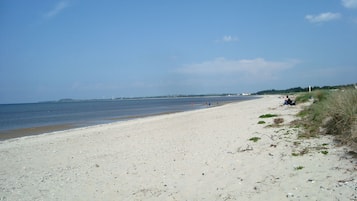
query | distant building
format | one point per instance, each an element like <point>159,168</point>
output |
<point>246,94</point>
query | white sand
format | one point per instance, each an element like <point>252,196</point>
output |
<point>196,155</point>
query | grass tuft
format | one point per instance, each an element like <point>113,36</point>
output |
<point>268,115</point>
<point>299,168</point>
<point>255,139</point>
<point>324,152</point>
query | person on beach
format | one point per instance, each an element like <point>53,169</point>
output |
<point>288,101</point>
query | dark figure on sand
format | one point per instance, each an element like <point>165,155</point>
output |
<point>288,101</point>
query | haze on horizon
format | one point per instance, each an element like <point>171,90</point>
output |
<point>78,49</point>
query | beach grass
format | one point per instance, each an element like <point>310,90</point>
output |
<point>332,112</point>
<point>268,115</point>
<point>324,152</point>
<point>303,97</point>
<point>254,139</point>
<point>318,95</point>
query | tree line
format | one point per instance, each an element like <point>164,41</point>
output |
<point>301,89</point>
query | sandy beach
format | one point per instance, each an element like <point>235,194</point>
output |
<point>197,155</point>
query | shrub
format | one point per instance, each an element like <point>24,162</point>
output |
<point>261,122</point>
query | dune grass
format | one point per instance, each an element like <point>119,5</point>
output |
<point>319,95</point>
<point>333,112</point>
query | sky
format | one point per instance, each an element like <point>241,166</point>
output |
<point>87,49</point>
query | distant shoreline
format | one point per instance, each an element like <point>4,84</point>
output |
<point>70,100</point>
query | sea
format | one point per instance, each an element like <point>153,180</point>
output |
<point>18,120</point>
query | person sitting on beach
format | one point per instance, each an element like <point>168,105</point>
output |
<point>288,101</point>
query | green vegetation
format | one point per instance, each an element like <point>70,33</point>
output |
<point>299,167</point>
<point>300,89</point>
<point>313,115</point>
<point>254,139</point>
<point>303,97</point>
<point>319,95</point>
<point>268,115</point>
<point>261,122</point>
<point>324,152</point>
<point>332,112</point>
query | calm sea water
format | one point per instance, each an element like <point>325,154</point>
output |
<point>85,113</point>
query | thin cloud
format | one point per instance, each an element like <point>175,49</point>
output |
<point>59,7</point>
<point>323,17</point>
<point>230,74</point>
<point>349,3</point>
<point>256,68</point>
<point>228,39</point>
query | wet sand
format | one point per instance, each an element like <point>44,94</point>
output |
<point>16,133</point>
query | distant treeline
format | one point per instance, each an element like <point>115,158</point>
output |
<point>300,89</point>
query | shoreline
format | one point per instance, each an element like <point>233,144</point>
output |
<point>68,125</point>
<point>204,154</point>
<point>39,130</point>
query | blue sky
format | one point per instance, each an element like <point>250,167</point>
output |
<point>87,49</point>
